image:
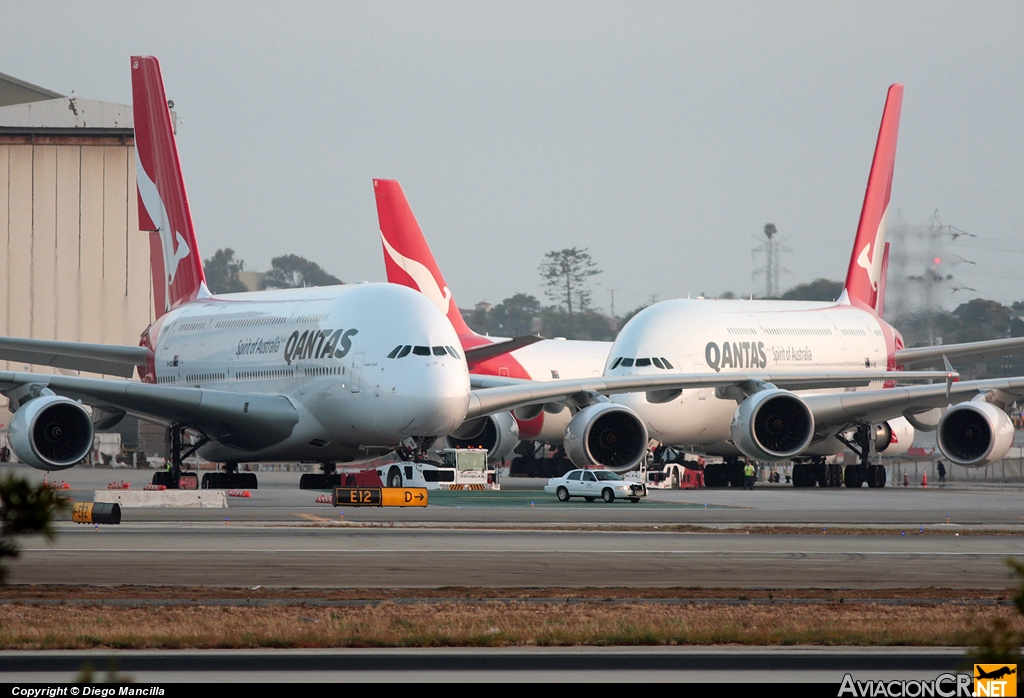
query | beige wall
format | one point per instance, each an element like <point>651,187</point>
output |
<point>73,264</point>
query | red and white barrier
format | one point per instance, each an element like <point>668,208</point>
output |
<point>239,493</point>
<point>325,499</point>
<point>58,486</point>
<point>155,488</point>
<point>119,485</point>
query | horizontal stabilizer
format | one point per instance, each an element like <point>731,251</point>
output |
<point>967,351</point>
<point>92,358</point>
<point>477,355</point>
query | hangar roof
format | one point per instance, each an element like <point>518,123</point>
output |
<point>32,110</point>
<point>15,91</point>
<point>67,114</point>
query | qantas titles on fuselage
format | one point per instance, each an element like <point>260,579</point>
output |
<point>327,349</point>
<point>728,335</point>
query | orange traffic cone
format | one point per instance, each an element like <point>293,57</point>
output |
<point>924,479</point>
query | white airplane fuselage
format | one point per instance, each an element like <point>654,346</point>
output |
<point>326,350</point>
<point>547,360</point>
<point>734,335</point>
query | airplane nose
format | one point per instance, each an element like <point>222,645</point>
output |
<point>433,403</point>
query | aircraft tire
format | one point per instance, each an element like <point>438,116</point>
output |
<point>851,477</point>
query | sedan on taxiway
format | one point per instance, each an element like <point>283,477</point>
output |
<point>591,484</point>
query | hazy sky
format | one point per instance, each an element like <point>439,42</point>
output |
<point>661,136</point>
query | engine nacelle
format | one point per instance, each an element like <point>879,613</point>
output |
<point>772,425</point>
<point>51,432</point>
<point>606,434</point>
<point>975,434</point>
<point>498,433</point>
<point>895,437</point>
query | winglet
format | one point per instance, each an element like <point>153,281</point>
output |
<point>864,284</point>
<point>163,206</point>
<point>407,256</point>
<point>950,374</point>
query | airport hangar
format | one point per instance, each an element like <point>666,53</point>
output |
<point>74,265</point>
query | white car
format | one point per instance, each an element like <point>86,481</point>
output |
<point>591,484</point>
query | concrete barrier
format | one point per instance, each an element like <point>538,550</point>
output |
<point>193,499</point>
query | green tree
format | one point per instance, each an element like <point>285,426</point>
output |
<point>222,272</point>
<point>293,271</point>
<point>566,275</point>
<point>982,319</point>
<point>24,510</point>
<point>513,317</point>
<point>1000,644</point>
<point>817,290</point>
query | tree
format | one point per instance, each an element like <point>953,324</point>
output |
<point>222,272</point>
<point>817,290</point>
<point>566,274</point>
<point>513,317</point>
<point>293,271</point>
<point>24,510</point>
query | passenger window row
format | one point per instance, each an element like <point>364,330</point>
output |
<point>400,352</point>
<point>659,361</point>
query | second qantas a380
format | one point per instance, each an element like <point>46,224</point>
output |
<point>766,346</point>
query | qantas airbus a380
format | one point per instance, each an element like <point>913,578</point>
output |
<point>317,375</point>
<point>755,417</point>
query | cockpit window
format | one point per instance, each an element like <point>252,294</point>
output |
<point>617,361</point>
<point>626,363</point>
<point>643,362</point>
<point>667,364</point>
<point>394,352</point>
<point>405,351</point>
<point>421,351</point>
<point>440,351</point>
<point>657,362</point>
<point>455,354</point>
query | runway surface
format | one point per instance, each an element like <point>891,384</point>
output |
<point>719,665</point>
<point>238,555</point>
<point>523,537</point>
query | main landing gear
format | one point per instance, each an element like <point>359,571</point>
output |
<point>230,479</point>
<point>817,472</point>
<point>729,473</point>
<point>327,479</point>
<point>176,478</point>
<point>865,471</point>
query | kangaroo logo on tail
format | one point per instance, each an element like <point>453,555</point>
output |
<point>873,264</point>
<point>425,281</point>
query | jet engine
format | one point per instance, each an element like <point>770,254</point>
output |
<point>498,433</point>
<point>51,432</point>
<point>772,425</point>
<point>606,434</point>
<point>975,434</point>
<point>895,437</point>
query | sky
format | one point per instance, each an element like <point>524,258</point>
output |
<point>660,136</point>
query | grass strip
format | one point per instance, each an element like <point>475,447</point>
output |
<point>495,624</point>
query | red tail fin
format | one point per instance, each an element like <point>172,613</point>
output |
<point>883,279</point>
<point>863,276</point>
<point>407,256</point>
<point>163,205</point>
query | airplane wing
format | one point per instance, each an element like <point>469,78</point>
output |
<point>967,351</point>
<point>77,356</point>
<point>837,410</point>
<point>244,420</point>
<point>493,394</point>
<point>477,355</point>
